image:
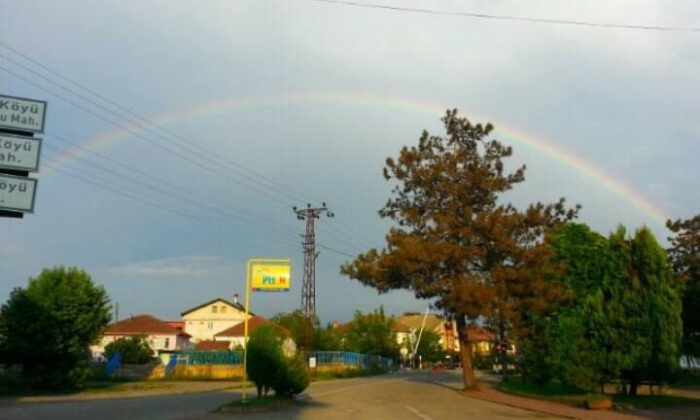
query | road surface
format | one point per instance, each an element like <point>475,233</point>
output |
<point>394,396</point>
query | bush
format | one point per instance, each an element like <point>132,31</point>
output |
<point>265,364</point>
<point>295,378</point>
<point>134,350</point>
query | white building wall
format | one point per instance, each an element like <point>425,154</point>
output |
<point>207,321</point>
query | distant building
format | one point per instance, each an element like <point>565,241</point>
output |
<point>210,345</point>
<point>236,334</point>
<point>204,321</point>
<point>161,337</point>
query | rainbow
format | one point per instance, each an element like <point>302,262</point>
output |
<point>383,102</point>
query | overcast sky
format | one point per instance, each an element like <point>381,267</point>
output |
<point>285,102</point>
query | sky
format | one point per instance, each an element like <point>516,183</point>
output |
<point>179,134</point>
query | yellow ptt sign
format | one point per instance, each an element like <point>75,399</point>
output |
<point>271,277</point>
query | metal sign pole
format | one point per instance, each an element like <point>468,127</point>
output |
<point>245,328</point>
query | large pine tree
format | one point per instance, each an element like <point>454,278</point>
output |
<point>455,241</point>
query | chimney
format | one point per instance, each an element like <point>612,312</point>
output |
<point>235,298</point>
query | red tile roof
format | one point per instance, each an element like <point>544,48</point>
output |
<point>180,325</point>
<point>142,324</point>
<point>477,334</point>
<point>254,322</point>
<point>211,345</point>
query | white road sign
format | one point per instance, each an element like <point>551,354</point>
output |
<point>22,114</point>
<point>17,193</point>
<point>19,153</point>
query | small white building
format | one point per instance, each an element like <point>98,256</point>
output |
<point>161,337</point>
<point>204,321</point>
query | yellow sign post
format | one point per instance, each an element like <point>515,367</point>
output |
<point>266,275</point>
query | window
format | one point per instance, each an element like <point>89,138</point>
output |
<point>223,309</point>
<point>167,343</point>
<point>214,309</point>
<point>210,325</point>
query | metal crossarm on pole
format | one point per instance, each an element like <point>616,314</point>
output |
<point>308,292</point>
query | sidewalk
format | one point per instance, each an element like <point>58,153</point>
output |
<point>487,392</point>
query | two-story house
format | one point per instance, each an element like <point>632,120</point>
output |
<point>204,321</point>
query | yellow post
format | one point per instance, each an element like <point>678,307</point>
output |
<point>245,329</point>
<point>248,273</point>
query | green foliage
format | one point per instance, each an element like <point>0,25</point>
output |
<point>429,347</point>
<point>625,321</point>
<point>133,350</point>
<point>329,339</point>
<point>294,378</point>
<point>265,364</point>
<point>685,256</point>
<point>372,333</point>
<point>269,369</point>
<point>300,327</point>
<point>47,328</point>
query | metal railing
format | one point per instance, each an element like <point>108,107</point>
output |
<point>323,358</point>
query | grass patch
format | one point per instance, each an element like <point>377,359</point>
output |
<point>551,391</point>
<point>345,374</point>
<point>688,380</point>
<point>256,405</point>
<point>135,386</point>
<point>652,401</point>
<point>560,393</point>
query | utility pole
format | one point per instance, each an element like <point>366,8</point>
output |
<point>308,292</point>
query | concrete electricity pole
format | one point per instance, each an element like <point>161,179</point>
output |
<point>308,293</point>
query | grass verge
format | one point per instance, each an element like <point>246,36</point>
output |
<point>345,374</point>
<point>559,393</point>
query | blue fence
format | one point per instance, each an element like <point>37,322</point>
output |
<point>209,358</point>
<point>323,358</point>
<point>346,358</point>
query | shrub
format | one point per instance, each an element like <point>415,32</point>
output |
<point>265,364</point>
<point>294,379</point>
<point>133,350</point>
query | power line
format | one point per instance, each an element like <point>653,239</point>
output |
<point>143,183</point>
<point>110,187</point>
<point>157,205</point>
<point>151,141</point>
<point>153,177</point>
<point>278,187</point>
<point>281,189</point>
<point>509,18</point>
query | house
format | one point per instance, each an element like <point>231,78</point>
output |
<point>408,325</point>
<point>206,320</point>
<point>236,334</point>
<point>161,337</point>
<point>211,345</point>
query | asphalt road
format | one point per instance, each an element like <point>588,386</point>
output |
<point>395,396</point>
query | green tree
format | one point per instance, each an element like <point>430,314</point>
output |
<point>300,327</point>
<point>265,364</point>
<point>328,339</point>
<point>684,253</point>
<point>429,347</point>
<point>372,333</point>
<point>133,350</point>
<point>625,320</point>
<point>455,241</point>
<point>47,328</point>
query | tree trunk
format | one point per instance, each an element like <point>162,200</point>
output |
<point>633,388</point>
<point>465,352</point>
